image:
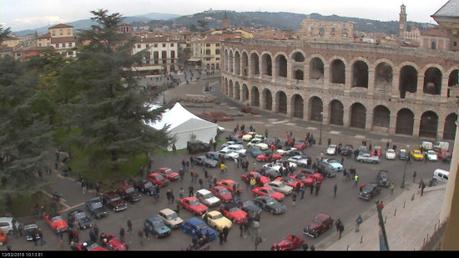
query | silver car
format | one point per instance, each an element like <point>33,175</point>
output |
<point>281,187</point>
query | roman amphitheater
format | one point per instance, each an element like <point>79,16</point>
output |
<point>387,89</point>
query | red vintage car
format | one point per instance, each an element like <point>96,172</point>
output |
<point>268,157</point>
<point>315,174</point>
<point>113,243</point>
<point>300,145</point>
<point>255,174</point>
<point>234,213</point>
<point>290,181</point>
<point>57,223</point>
<point>266,190</point>
<point>228,184</point>
<point>307,180</point>
<point>169,174</point>
<point>157,179</point>
<point>444,155</point>
<point>193,205</point>
<point>320,223</point>
<point>222,193</point>
<point>89,246</point>
<point>290,243</point>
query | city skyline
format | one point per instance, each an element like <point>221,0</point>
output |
<point>27,14</point>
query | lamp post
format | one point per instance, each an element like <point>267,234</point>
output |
<point>404,171</point>
<point>320,128</point>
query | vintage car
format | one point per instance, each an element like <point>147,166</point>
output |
<point>365,157</point>
<point>205,162</point>
<point>81,218</point>
<point>266,157</point>
<point>128,192</point>
<point>145,186</point>
<point>300,145</point>
<point>329,167</point>
<point>3,238</point>
<point>96,208</point>
<point>237,148</point>
<point>280,187</point>
<point>213,155</point>
<point>269,204</point>
<point>197,147</point>
<point>114,201</point>
<point>193,205</point>
<point>222,193</point>
<point>403,154</point>
<point>331,150</point>
<point>444,155</point>
<point>305,179</point>
<point>113,243</point>
<point>57,223</point>
<point>234,213</point>
<point>88,246</point>
<point>170,218</point>
<point>156,227</point>
<point>382,178</point>
<point>431,155</point>
<point>207,198</point>
<point>229,184</point>
<point>347,150</point>
<point>255,151</point>
<point>197,228</point>
<point>391,154</point>
<point>417,154</point>
<point>259,143</point>
<point>290,243</point>
<point>31,231</point>
<point>216,220</point>
<point>255,174</point>
<point>268,191</point>
<point>299,160</point>
<point>290,181</point>
<point>157,179</point>
<point>6,224</point>
<point>314,174</point>
<point>369,191</point>
<point>252,209</point>
<point>169,174</point>
<point>320,224</point>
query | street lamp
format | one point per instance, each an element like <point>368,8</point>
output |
<point>320,128</point>
<point>404,170</point>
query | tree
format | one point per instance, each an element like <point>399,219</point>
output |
<point>203,25</point>
<point>25,128</point>
<point>109,106</point>
<point>183,55</point>
<point>4,33</point>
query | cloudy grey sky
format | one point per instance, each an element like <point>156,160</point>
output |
<point>26,14</point>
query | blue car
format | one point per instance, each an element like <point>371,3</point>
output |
<point>254,152</point>
<point>197,228</point>
<point>156,227</point>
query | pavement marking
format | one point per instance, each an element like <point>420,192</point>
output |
<point>291,124</point>
<point>258,122</point>
<point>269,125</point>
<point>385,140</point>
<point>359,136</point>
<point>311,128</point>
<point>280,122</point>
<point>272,119</point>
<point>71,207</point>
<point>232,107</point>
<point>334,132</point>
<point>257,115</point>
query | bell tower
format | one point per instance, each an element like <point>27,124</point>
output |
<point>402,21</point>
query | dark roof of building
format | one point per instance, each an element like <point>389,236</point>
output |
<point>62,40</point>
<point>44,36</point>
<point>60,25</point>
<point>450,9</point>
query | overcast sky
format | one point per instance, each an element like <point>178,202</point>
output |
<point>26,14</point>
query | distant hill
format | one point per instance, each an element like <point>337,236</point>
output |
<point>86,23</point>
<point>286,20</point>
<point>280,20</point>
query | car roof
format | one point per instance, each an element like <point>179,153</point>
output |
<point>212,213</point>
<point>153,219</point>
<point>167,211</point>
<point>6,219</point>
<point>194,221</point>
<point>203,191</point>
<point>322,216</point>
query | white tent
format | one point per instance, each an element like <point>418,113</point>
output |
<point>184,125</point>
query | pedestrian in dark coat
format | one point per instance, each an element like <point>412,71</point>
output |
<point>312,188</point>
<point>122,234</point>
<point>190,190</point>
<point>414,176</point>
<point>335,189</point>
<point>129,226</point>
<point>302,192</point>
<point>241,229</point>
<point>225,233</point>
<point>221,237</point>
<point>96,230</point>
<point>92,235</point>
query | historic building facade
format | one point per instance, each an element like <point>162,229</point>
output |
<point>405,91</point>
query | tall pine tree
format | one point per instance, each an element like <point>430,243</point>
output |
<point>109,107</point>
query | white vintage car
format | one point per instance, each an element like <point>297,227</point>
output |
<point>431,155</point>
<point>390,154</point>
<point>331,150</point>
<point>281,187</point>
<point>258,142</point>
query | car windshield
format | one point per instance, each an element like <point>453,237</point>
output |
<point>223,191</point>
<point>172,216</point>
<point>217,216</point>
<point>115,198</point>
<point>56,218</point>
<point>207,196</point>
<point>130,190</point>
<point>80,215</point>
<point>157,223</point>
<point>194,202</point>
<point>431,152</point>
<point>96,205</point>
<point>390,151</point>
<point>233,209</point>
<point>167,171</point>
<point>271,202</point>
<point>148,184</point>
<point>332,146</point>
<point>30,227</point>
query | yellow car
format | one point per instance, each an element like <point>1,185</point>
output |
<point>216,220</point>
<point>417,155</point>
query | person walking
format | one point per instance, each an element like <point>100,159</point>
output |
<point>305,246</point>
<point>96,230</point>
<point>140,235</point>
<point>340,230</point>
<point>253,182</point>
<point>422,185</point>
<point>146,233</point>
<point>358,221</point>
<point>206,174</point>
<point>335,189</point>
<point>391,187</point>
<point>356,180</point>
<point>225,233</point>
<point>83,186</point>
<point>122,233</point>
<point>317,188</point>
<point>258,241</point>
<point>129,226</point>
<point>40,235</point>
<point>302,192</point>
<point>201,183</point>
<point>241,230</point>
<point>181,192</point>
<point>312,188</point>
<point>294,199</point>
<point>35,240</point>
<point>190,190</point>
<point>337,223</point>
<point>414,176</point>
<point>221,237</point>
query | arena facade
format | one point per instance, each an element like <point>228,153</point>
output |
<point>387,89</point>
